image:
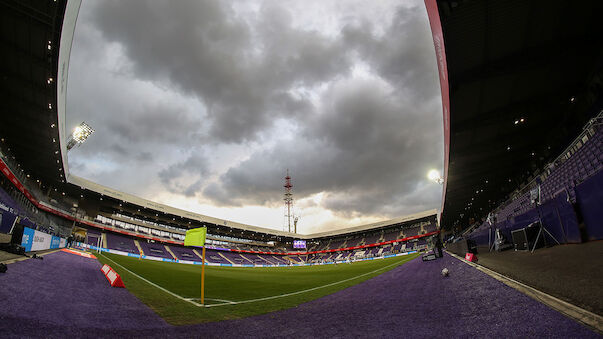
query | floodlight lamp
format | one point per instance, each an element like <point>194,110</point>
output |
<point>434,176</point>
<point>80,133</point>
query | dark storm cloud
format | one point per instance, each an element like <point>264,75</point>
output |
<point>371,145</point>
<point>240,74</point>
<point>195,166</point>
<point>401,55</point>
<point>368,149</point>
<point>134,133</point>
<point>366,141</point>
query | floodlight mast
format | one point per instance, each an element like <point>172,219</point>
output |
<point>80,133</point>
<point>288,200</point>
<point>295,224</point>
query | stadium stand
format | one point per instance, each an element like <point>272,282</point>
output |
<point>184,253</point>
<point>121,243</point>
<point>571,171</point>
<point>154,249</point>
<point>214,257</point>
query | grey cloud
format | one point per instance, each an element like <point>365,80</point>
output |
<point>176,177</point>
<point>233,69</point>
<point>161,123</point>
<point>367,144</point>
<point>368,148</point>
<point>401,55</point>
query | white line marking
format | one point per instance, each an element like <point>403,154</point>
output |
<point>222,300</point>
<point>227,302</point>
<point>159,287</point>
<point>303,291</point>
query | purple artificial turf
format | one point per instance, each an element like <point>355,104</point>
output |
<point>413,300</point>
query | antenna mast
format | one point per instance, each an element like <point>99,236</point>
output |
<point>288,201</point>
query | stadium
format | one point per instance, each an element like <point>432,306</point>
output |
<point>513,251</point>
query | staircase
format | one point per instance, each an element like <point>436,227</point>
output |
<point>244,257</point>
<point>137,246</point>
<point>267,261</point>
<point>199,255</point>
<point>225,258</point>
<point>170,252</point>
<point>277,260</point>
<point>291,260</point>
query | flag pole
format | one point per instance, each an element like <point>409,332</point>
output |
<point>203,276</point>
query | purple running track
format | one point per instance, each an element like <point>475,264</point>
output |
<point>413,300</point>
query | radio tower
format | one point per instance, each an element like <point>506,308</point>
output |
<point>288,201</point>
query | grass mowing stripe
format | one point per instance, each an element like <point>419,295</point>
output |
<point>304,291</point>
<point>227,302</point>
<point>230,284</point>
<point>152,283</point>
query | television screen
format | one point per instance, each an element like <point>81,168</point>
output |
<point>299,244</point>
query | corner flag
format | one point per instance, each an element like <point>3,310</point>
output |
<point>195,237</point>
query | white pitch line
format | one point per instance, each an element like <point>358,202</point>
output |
<point>152,283</point>
<point>223,300</point>
<point>299,292</point>
<point>227,302</point>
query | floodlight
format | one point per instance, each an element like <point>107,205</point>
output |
<point>434,176</point>
<point>80,133</point>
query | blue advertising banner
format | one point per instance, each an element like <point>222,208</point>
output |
<point>55,242</point>
<point>28,238</point>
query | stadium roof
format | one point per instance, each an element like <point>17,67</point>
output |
<point>167,212</point>
<point>31,31</point>
<point>524,77</point>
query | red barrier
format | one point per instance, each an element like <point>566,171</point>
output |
<point>80,253</point>
<point>112,276</point>
<point>470,257</point>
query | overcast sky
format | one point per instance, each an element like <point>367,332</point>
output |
<point>204,105</point>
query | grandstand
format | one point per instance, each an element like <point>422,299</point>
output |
<point>523,111</point>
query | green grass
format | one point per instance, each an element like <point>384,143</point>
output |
<point>237,284</point>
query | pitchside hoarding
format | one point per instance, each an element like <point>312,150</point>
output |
<point>36,241</point>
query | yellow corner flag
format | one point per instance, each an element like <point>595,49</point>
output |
<point>195,237</point>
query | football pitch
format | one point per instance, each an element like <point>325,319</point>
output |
<point>173,290</point>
